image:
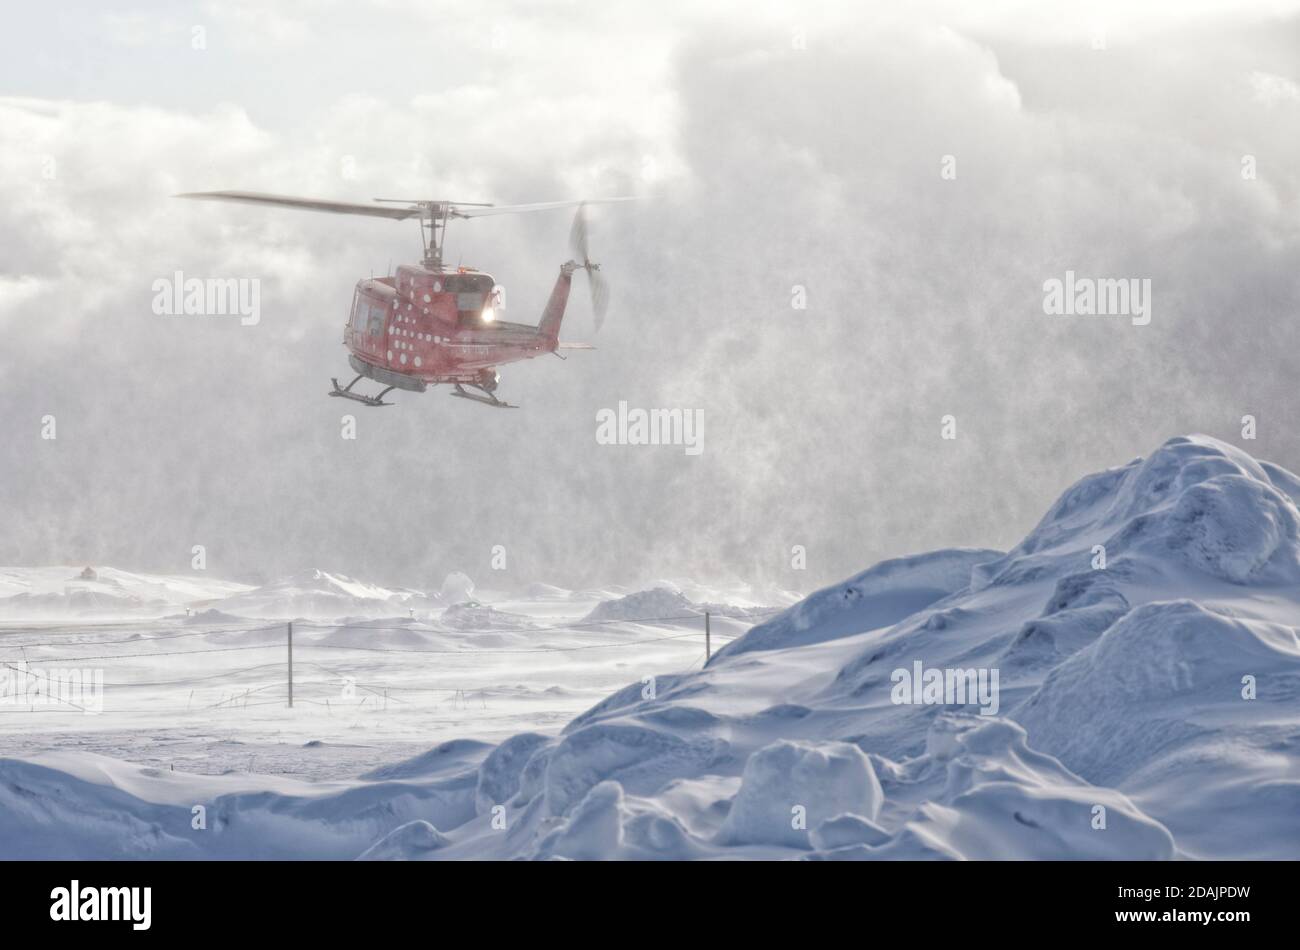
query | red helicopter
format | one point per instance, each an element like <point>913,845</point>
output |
<point>429,324</point>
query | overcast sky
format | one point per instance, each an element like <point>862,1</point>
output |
<point>773,147</point>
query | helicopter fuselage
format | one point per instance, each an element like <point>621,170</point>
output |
<point>423,327</point>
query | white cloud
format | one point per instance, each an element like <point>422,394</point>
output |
<point>1272,89</point>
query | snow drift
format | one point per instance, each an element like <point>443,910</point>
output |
<point>317,594</point>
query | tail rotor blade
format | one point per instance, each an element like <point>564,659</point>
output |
<point>578,242</point>
<point>599,296</point>
<point>578,235</point>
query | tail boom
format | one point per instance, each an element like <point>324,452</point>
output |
<point>553,315</point>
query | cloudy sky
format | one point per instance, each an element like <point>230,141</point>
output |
<point>773,147</point>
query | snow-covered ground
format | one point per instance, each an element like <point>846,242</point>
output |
<point>205,688</point>
<point>1133,665</point>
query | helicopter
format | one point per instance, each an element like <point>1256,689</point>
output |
<point>428,324</point>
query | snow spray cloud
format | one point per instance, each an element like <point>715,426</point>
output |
<point>80,690</point>
<point>626,426</point>
<point>919,686</point>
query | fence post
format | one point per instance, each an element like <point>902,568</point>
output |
<point>708,647</point>
<point>290,664</point>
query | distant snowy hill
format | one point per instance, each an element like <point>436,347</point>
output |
<point>53,592</point>
<point>323,595</point>
<point>1130,677</point>
<point>668,603</point>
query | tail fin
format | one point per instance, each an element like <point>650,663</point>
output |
<point>554,312</point>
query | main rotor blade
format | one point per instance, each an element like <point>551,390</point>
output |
<point>378,210</point>
<point>463,211</point>
<point>306,204</point>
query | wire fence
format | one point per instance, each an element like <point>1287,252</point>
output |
<point>45,683</point>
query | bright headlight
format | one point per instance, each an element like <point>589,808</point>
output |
<point>489,314</point>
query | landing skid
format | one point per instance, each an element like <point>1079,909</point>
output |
<point>345,392</point>
<point>482,395</point>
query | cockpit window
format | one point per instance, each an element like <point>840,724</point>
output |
<point>472,292</point>
<point>469,283</point>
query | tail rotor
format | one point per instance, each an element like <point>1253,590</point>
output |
<point>599,286</point>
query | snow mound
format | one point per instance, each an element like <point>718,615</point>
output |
<point>1282,480</point>
<point>1151,680</point>
<point>85,807</point>
<point>669,603</point>
<point>1129,628</point>
<point>473,616</point>
<point>640,758</point>
<point>321,595</point>
<point>500,774</point>
<point>449,756</point>
<point>594,831</point>
<point>1081,607</point>
<point>878,597</point>
<point>1004,801</point>
<point>659,603</point>
<point>1230,526</point>
<point>1196,501</point>
<point>788,786</point>
<point>540,591</point>
<point>847,831</point>
<point>457,588</point>
<point>409,842</point>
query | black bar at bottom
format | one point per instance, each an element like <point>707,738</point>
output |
<point>335,900</point>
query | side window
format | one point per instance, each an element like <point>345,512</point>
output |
<point>376,326</point>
